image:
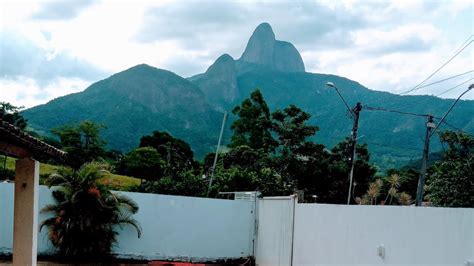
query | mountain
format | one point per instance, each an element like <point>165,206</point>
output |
<point>133,103</point>
<point>263,49</point>
<point>141,99</point>
<point>393,139</point>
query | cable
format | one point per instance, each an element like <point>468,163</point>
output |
<point>464,46</point>
<point>448,90</point>
<point>448,78</point>
<point>451,126</point>
<point>451,108</point>
<point>393,111</point>
<point>413,114</point>
<point>472,35</point>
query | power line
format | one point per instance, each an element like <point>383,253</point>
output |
<point>413,114</point>
<point>467,40</point>
<point>451,126</point>
<point>450,89</point>
<point>459,50</point>
<point>452,106</point>
<point>448,78</point>
<point>393,111</point>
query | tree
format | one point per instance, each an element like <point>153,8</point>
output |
<point>245,157</point>
<point>294,149</point>
<point>451,181</point>
<point>11,114</point>
<point>144,163</point>
<point>334,185</point>
<point>176,153</point>
<point>290,125</point>
<point>187,183</point>
<point>253,125</point>
<point>82,142</point>
<point>85,215</point>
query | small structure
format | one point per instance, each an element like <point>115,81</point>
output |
<point>16,143</point>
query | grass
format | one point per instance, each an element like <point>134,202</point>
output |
<point>113,181</point>
<point>45,169</point>
<point>120,182</point>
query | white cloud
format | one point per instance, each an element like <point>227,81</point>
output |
<point>24,91</point>
<point>385,45</point>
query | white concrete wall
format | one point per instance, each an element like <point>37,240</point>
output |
<point>7,193</point>
<point>275,231</point>
<point>173,227</point>
<point>189,228</point>
<point>350,235</point>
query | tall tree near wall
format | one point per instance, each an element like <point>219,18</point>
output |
<point>176,153</point>
<point>451,181</point>
<point>253,125</point>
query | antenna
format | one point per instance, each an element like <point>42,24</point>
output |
<point>217,153</point>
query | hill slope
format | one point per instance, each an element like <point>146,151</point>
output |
<point>133,103</point>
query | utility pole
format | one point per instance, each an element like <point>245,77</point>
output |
<point>217,153</point>
<point>421,180</point>
<point>356,110</point>
<point>355,118</point>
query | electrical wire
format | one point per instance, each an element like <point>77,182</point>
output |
<point>451,108</point>
<point>445,79</point>
<point>451,126</point>
<point>392,111</point>
<point>459,50</point>
<point>450,89</point>
<point>413,114</point>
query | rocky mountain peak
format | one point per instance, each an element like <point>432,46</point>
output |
<point>263,49</point>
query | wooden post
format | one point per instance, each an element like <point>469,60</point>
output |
<point>25,228</point>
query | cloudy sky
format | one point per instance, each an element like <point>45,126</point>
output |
<point>49,49</point>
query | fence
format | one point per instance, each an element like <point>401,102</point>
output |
<point>365,235</point>
<point>174,227</point>
<point>288,233</point>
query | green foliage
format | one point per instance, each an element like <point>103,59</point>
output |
<point>265,180</point>
<point>253,125</point>
<point>331,171</point>
<point>187,183</point>
<point>290,125</point>
<point>144,163</point>
<point>11,114</point>
<point>451,181</point>
<point>85,216</point>
<point>82,142</point>
<point>176,153</point>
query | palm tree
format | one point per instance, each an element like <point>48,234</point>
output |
<point>86,214</point>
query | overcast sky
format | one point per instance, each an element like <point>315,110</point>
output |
<point>51,49</point>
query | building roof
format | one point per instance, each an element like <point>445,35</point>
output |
<point>14,142</point>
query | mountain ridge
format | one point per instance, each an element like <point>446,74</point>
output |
<point>136,101</point>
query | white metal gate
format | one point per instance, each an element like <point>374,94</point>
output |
<point>275,231</point>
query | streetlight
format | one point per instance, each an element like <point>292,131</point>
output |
<point>355,117</point>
